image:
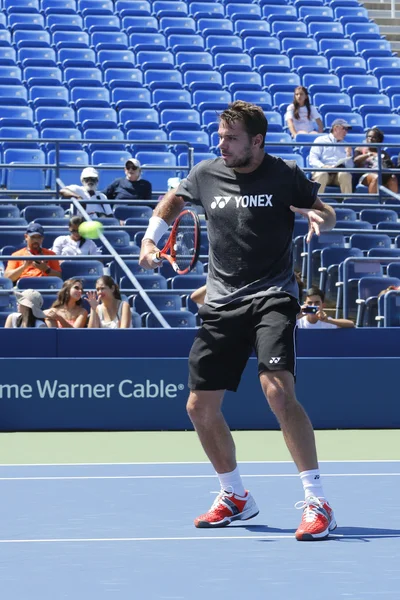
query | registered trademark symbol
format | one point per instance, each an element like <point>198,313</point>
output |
<point>181,386</point>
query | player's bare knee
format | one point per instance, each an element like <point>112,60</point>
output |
<point>202,406</point>
<point>279,393</point>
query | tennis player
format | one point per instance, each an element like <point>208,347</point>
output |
<point>249,198</point>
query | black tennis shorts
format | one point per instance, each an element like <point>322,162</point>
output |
<point>230,333</point>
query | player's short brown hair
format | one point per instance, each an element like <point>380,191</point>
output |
<point>251,115</point>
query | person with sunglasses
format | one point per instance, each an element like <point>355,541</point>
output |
<point>67,310</point>
<point>130,187</point>
<point>74,244</point>
<point>366,157</point>
<point>95,203</point>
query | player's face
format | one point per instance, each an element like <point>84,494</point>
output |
<point>238,149</point>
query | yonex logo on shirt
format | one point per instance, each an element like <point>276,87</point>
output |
<point>243,201</point>
<point>274,360</point>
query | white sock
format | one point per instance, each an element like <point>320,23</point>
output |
<point>232,481</point>
<point>311,481</point>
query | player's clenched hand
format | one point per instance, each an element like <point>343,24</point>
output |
<point>148,252</point>
<point>314,217</point>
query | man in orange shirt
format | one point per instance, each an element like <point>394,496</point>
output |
<point>33,268</point>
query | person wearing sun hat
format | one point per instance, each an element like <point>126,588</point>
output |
<point>29,313</point>
<point>94,202</point>
<point>334,156</point>
<point>37,267</point>
<point>130,187</point>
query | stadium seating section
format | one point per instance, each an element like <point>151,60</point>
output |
<point>109,80</point>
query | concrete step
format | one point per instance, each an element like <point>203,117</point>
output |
<point>394,23</point>
<point>377,6</point>
<point>382,14</point>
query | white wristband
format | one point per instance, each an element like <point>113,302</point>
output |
<point>156,229</point>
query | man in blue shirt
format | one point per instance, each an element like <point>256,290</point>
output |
<point>332,155</point>
<point>130,187</point>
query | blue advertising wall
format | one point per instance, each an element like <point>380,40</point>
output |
<point>137,380</point>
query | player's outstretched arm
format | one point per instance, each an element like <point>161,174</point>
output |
<point>321,217</point>
<point>164,214</point>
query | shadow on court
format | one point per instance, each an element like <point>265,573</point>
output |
<point>366,534</point>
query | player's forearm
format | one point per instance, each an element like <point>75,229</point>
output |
<point>329,217</point>
<point>169,207</point>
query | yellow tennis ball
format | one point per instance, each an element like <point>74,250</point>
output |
<point>90,230</point>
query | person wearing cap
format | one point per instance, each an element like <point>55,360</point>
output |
<point>334,156</point>
<point>37,267</point>
<point>130,187</point>
<point>95,203</point>
<point>29,313</point>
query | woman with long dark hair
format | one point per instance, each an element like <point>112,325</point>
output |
<point>67,310</point>
<point>301,116</point>
<point>366,157</point>
<point>108,310</point>
<point>29,313</point>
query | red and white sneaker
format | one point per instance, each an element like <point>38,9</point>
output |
<point>228,507</point>
<point>318,520</point>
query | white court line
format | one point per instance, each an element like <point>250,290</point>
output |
<point>184,539</point>
<point>259,475</point>
<point>199,462</point>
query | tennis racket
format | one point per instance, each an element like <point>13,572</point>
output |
<point>183,245</point>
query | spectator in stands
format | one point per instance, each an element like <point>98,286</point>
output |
<point>74,244</point>
<point>108,310</point>
<point>332,155</point>
<point>29,313</point>
<point>67,311</point>
<point>366,157</point>
<point>16,269</point>
<point>130,187</point>
<point>313,316</point>
<point>98,206</point>
<point>301,116</point>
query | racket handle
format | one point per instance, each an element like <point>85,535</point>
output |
<point>156,257</point>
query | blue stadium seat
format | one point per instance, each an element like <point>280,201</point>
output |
<point>178,99</point>
<point>30,21</point>
<point>162,79</point>
<point>80,268</point>
<point>352,225</point>
<point>187,282</point>
<point>67,159</point>
<point>57,22</point>
<point>395,102</point>
<point>379,66</point>
<point>212,27</point>
<point>5,37</point>
<point>293,46</point>
<point>166,301</point>
<point>354,119</point>
<point>390,84</point>
<point>109,40</point>
<point>163,8</point>
<point>150,59</point>
<point>368,48</point>
<point>384,252</point>
<point>54,116</point>
<point>130,98</point>
<point>13,95</point>
<point>331,102</point>
<point>76,57</point>
<point>262,99</point>
<point>366,241</point>
<point>93,23</point>
<point>318,83</point>
<point>281,82</point>
<point>194,61</point>
<point>374,216</point>
<point>158,179</point>
<point>118,239</point>
<point>148,282</point>
<point>182,119</point>
<point>70,39</point>
<point>90,96</point>
<point>274,121</point>
<point>48,283</point>
<point>21,135</point>
<point>22,6</point>
<point>236,11</point>
<point>312,253</point>
<point>179,318</point>
<point>142,136</point>
<point>36,57</point>
<point>202,80</point>
<point>388,309</point>
<point>360,84</point>
<point>361,31</point>
<point>117,273</point>
<point>10,75</point>
<point>187,43</point>
<point>183,25</point>
<point>388,123</point>
<point>393,269</point>
<point>273,12</point>
<point>199,10</point>
<point>9,211</point>
<point>243,81</point>
<point>257,44</point>
<point>132,25</point>
<point>116,78</point>
<point>112,135</point>
<point>14,222</point>
<point>210,99</point>
<point>60,134</point>
<point>384,226</point>
<point>147,41</point>
<point>351,14</point>
<point>345,214</point>
<point>124,8</point>
<point>139,118</point>
<point>110,158</point>
<point>273,138</point>
<point>51,95</point>
<point>224,43</point>
<point>281,100</point>
<point>6,284</point>
<point>251,27</point>
<point>22,179</point>
<point>30,213</point>
<point>198,139</point>
<point>82,77</point>
<point>30,39</point>
<point>333,47</point>
<point>52,221</point>
<point>7,56</point>
<point>322,31</point>
<point>183,160</point>
<point>297,158</point>
<point>309,64</point>
<point>42,76</point>
<point>15,116</point>
<point>367,301</point>
<point>271,63</point>
<point>97,117</point>
<point>125,211</point>
<point>57,7</point>
<point>345,65</point>
<point>12,238</point>
<point>319,14</point>
<point>91,7</point>
<point>284,29</point>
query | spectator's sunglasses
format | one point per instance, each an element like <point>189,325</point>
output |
<point>78,288</point>
<point>90,180</point>
<point>131,168</point>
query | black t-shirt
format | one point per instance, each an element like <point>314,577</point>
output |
<point>123,189</point>
<point>250,225</point>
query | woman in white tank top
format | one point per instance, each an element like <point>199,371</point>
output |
<point>29,313</point>
<point>108,310</point>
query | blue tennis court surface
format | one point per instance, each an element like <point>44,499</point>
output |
<point>126,531</point>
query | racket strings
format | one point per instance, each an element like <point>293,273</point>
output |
<point>186,241</point>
